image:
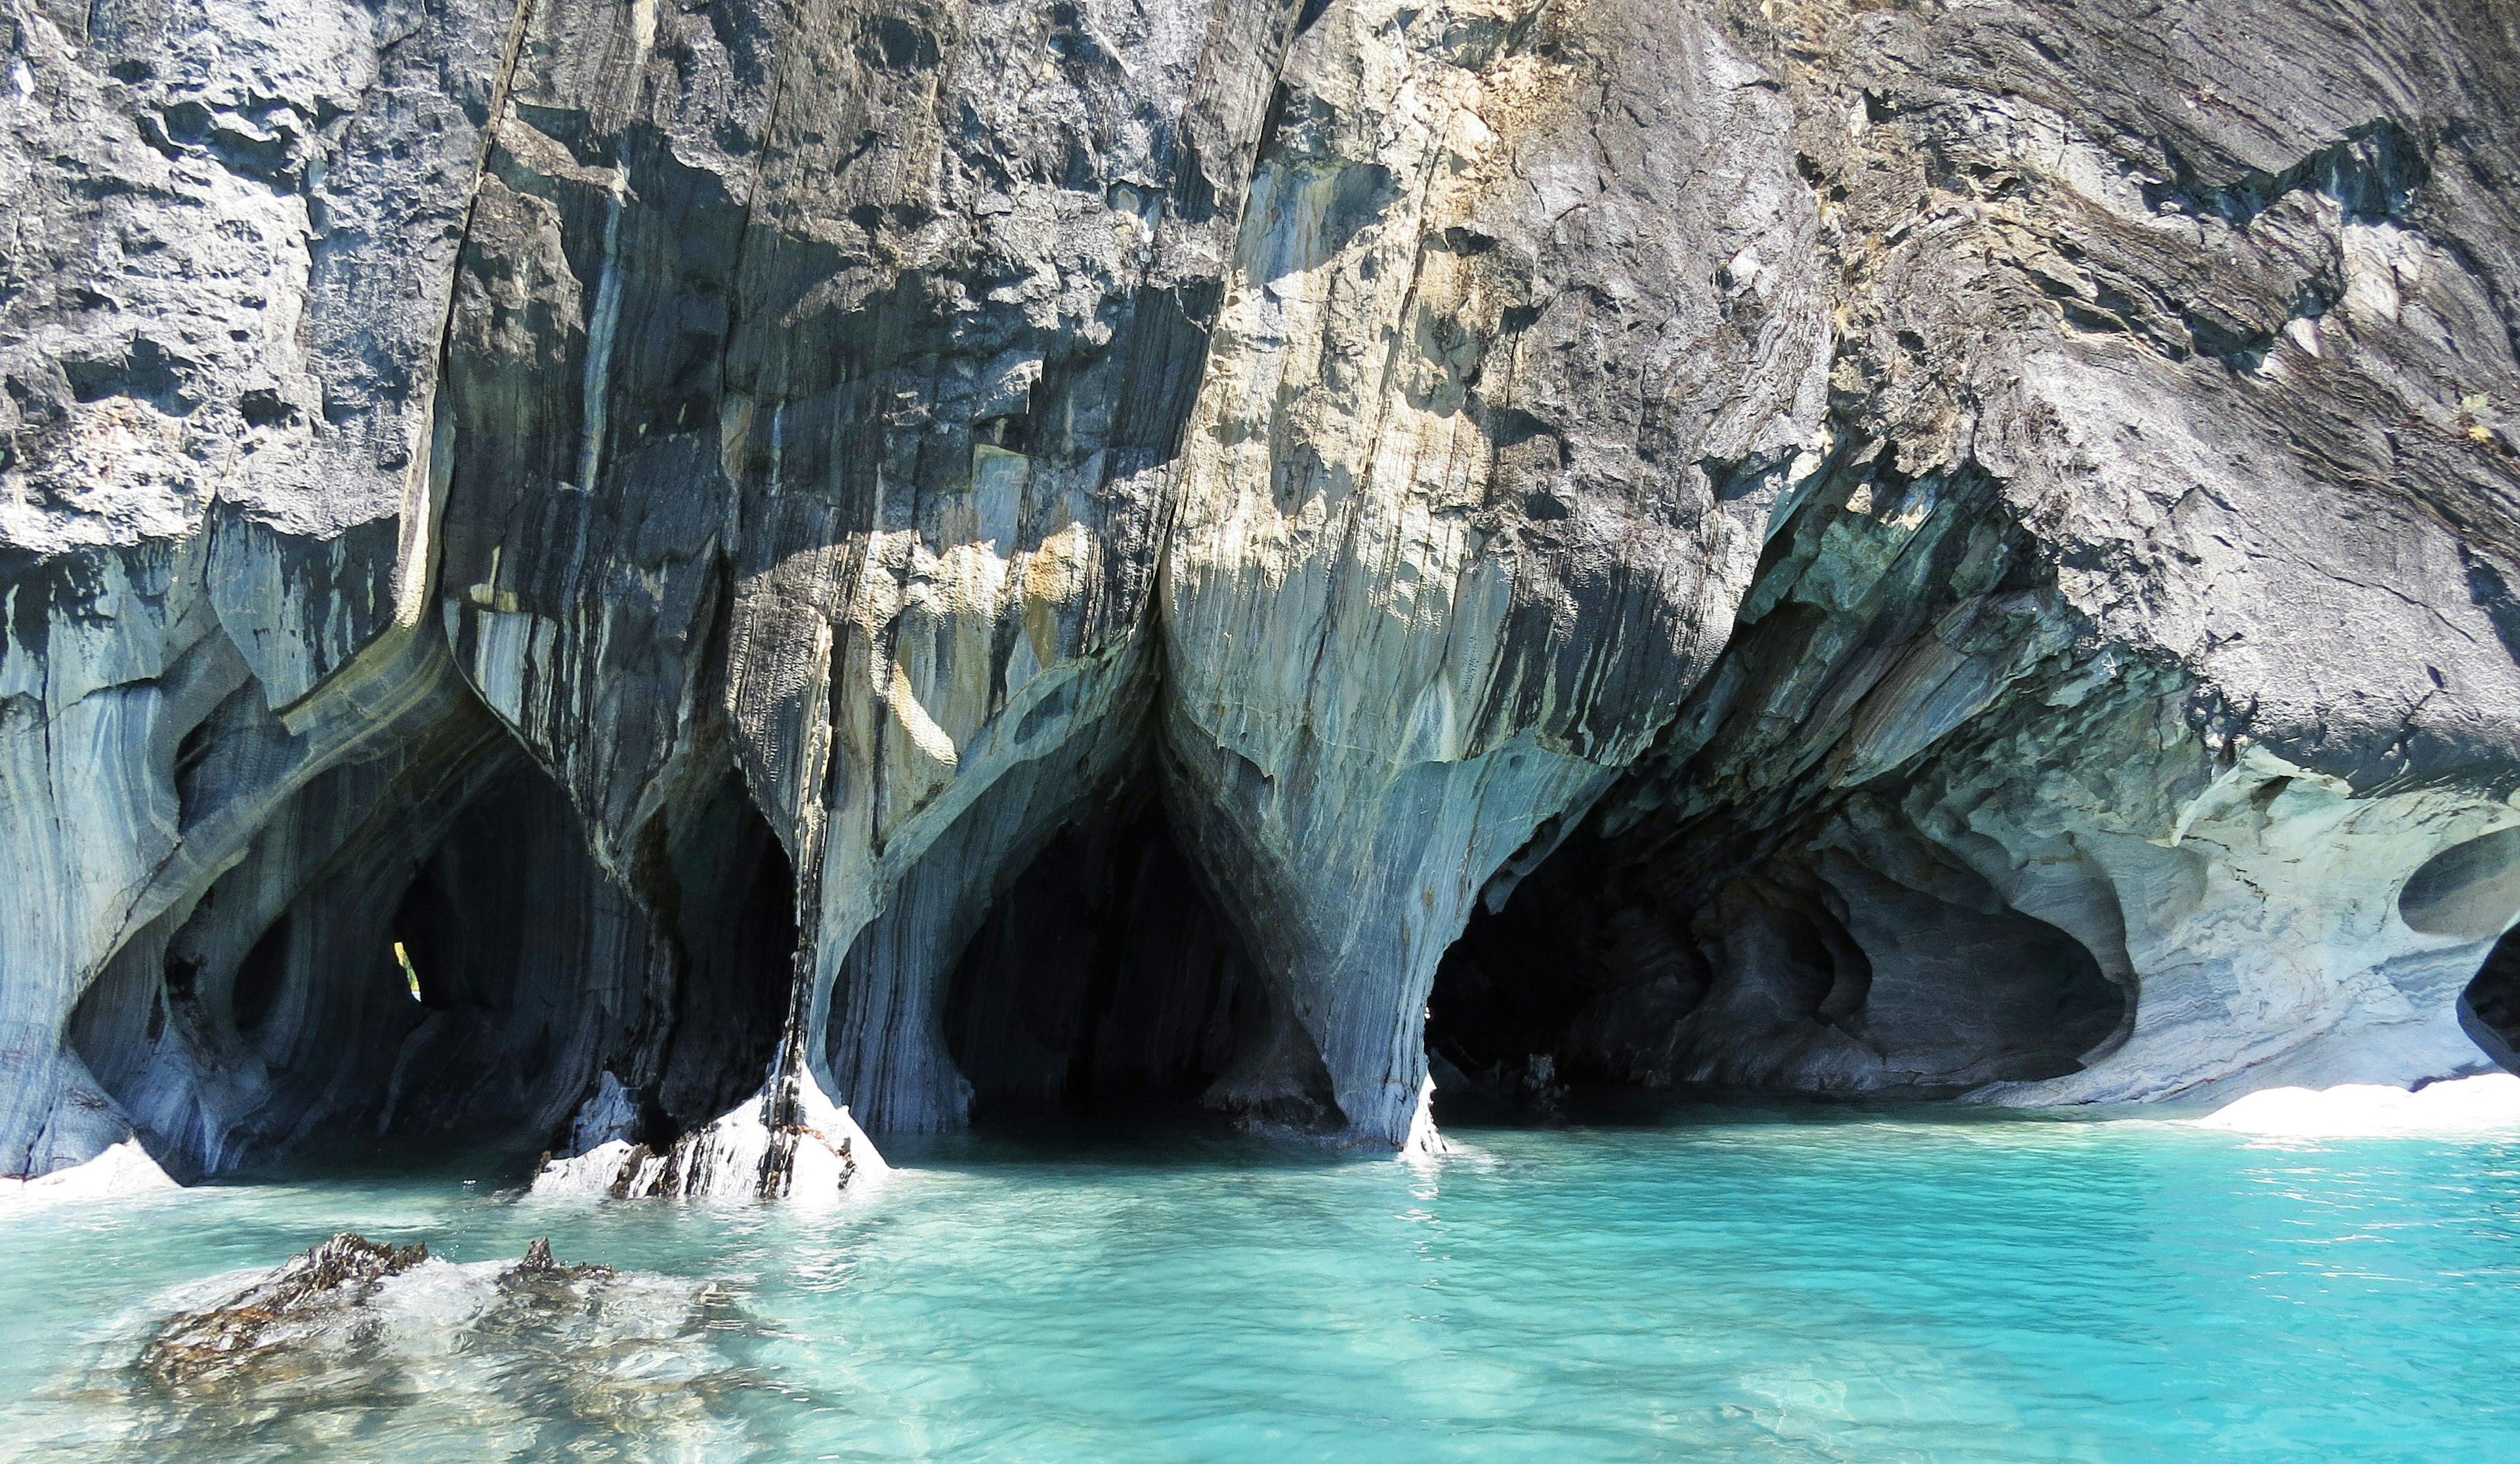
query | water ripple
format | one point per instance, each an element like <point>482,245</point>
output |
<point>1753,1286</point>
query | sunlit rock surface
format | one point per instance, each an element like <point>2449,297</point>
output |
<point>2370,1109</point>
<point>1474,483</point>
<point>122,1171</point>
<point>788,1142</point>
<point>562,563</point>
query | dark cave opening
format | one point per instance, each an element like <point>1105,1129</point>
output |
<point>2489,1009</point>
<point>434,956</point>
<point>727,895</point>
<point>527,959</point>
<point>538,971</point>
<point>2468,892</point>
<point>1807,971</point>
<point>1101,984</point>
<point>259,977</point>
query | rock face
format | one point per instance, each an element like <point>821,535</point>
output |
<point>630,572</point>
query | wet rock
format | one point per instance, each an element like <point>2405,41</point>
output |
<point>308,1295</point>
<point>517,1356</point>
<point>122,1171</point>
<point>790,1141</point>
<point>523,1355</point>
<point>335,1297</point>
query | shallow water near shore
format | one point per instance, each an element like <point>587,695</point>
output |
<point>1746,1283</point>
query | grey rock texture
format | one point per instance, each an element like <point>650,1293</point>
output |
<point>954,554</point>
<point>1476,476</point>
<point>2147,581</point>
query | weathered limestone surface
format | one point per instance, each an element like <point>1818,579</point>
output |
<point>2149,580</point>
<point>1476,476</point>
<point>1814,545</point>
<point>232,231</point>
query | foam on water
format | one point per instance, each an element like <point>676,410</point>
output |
<point>2367,1110</point>
<point>1813,1284</point>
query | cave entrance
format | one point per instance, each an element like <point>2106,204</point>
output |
<point>521,955</point>
<point>432,953</point>
<point>1821,967</point>
<point>727,900</point>
<point>537,971</point>
<point>2489,1009</point>
<point>2468,892</point>
<point>1102,984</point>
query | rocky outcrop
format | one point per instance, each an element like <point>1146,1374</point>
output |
<point>787,1142</point>
<point>2146,583</point>
<point>369,1330</point>
<point>1476,479</point>
<point>638,574</point>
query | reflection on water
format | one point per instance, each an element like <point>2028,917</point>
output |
<point>1815,1284</point>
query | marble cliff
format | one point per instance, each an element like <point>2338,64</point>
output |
<point>638,569</point>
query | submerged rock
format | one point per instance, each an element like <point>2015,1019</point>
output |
<point>525,1357</point>
<point>314,1294</point>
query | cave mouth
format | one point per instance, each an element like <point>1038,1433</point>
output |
<point>724,898</point>
<point>1612,971</point>
<point>538,971</point>
<point>434,962</point>
<point>1103,991</point>
<point>2488,1008</point>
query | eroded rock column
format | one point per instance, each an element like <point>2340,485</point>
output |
<point>1518,334</point>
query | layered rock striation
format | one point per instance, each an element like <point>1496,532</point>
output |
<point>644,574</point>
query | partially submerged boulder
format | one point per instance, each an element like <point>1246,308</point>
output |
<point>524,1357</point>
<point>285,1306</point>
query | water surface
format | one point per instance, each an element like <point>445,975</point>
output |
<point>1736,1284</point>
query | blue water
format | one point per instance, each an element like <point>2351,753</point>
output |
<point>1818,1284</point>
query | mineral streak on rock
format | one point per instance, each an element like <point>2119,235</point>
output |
<point>919,555</point>
<point>1476,476</point>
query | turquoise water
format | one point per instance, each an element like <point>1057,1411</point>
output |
<point>1734,1285</point>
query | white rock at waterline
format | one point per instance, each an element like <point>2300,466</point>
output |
<point>725,1159</point>
<point>123,1170</point>
<point>591,1173</point>
<point>2371,1110</point>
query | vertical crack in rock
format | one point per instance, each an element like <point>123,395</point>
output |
<point>815,378</point>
